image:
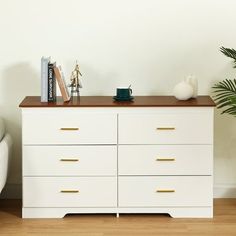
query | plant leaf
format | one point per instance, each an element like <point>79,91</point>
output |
<point>229,52</point>
<point>225,94</point>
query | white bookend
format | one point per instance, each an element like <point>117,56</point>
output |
<point>61,82</point>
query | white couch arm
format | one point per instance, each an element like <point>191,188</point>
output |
<point>5,154</point>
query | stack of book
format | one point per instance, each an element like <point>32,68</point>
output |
<point>50,73</point>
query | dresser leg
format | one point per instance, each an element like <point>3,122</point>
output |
<point>117,215</point>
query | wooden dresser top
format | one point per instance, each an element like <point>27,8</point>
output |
<point>107,101</point>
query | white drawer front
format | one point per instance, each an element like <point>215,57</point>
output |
<point>165,159</point>
<point>69,127</point>
<point>69,160</point>
<point>170,128</point>
<point>62,192</point>
<point>165,191</point>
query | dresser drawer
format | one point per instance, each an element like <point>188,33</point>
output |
<point>69,160</point>
<point>165,191</point>
<point>186,126</point>
<point>165,159</point>
<point>69,192</point>
<point>68,127</point>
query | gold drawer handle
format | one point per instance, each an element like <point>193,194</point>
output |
<point>69,129</point>
<point>165,191</point>
<point>69,160</point>
<point>166,128</point>
<point>69,191</point>
<point>165,159</point>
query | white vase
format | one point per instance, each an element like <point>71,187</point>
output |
<point>194,83</point>
<point>183,91</point>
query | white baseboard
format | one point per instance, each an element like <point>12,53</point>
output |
<point>225,191</point>
<point>14,191</point>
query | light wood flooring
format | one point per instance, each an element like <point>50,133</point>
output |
<point>223,223</point>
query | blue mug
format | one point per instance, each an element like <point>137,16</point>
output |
<point>123,93</point>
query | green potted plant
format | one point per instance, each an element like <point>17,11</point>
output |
<point>225,91</point>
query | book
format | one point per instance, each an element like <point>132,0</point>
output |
<point>44,78</point>
<point>61,83</point>
<point>51,83</point>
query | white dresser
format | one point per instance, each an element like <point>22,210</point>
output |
<point>93,155</point>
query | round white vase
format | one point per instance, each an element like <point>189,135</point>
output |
<point>183,91</point>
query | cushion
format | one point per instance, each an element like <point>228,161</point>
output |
<point>2,129</point>
<point>5,155</point>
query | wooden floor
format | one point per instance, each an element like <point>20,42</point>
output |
<point>223,223</point>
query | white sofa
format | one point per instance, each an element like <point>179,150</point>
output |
<point>5,154</point>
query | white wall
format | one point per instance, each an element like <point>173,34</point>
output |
<point>151,44</point>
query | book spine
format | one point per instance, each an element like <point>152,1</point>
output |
<point>44,79</point>
<point>50,82</point>
<point>54,87</point>
<point>43,88</point>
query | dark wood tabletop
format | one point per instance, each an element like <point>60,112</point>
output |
<point>107,101</point>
